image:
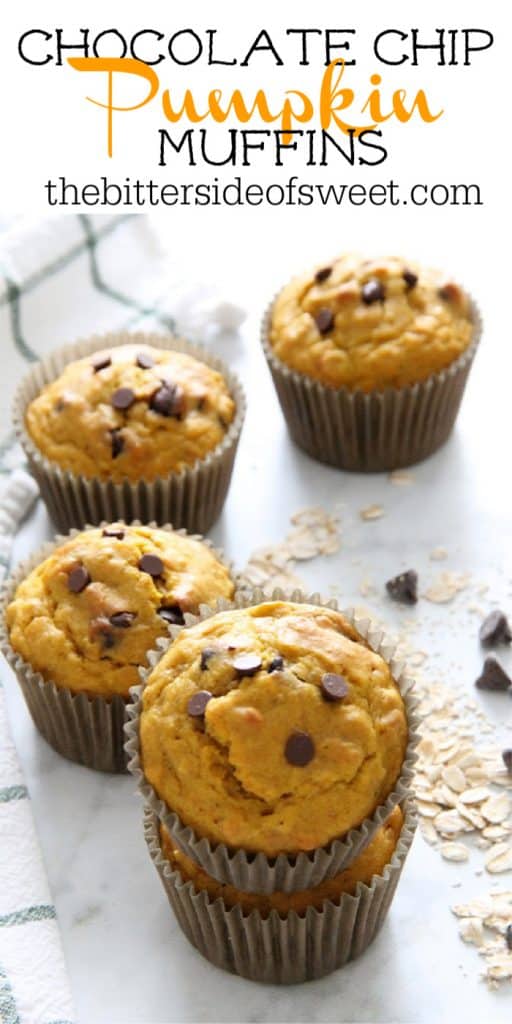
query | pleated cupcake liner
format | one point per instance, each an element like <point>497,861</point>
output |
<point>192,499</point>
<point>275,948</point>
<point>83,728</point>
<point>370,432</point>
<point>255,872</point>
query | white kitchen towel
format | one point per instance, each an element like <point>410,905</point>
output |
<point>34,987</point>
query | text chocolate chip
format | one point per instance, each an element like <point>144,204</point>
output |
<point>113,531</point>
<point>117,443</point>
<point>173,614</point>
<point>495,629</point>
<point>373,291</point>
<point>493,676</point>
<point>324,320</point>
<point>123,398</point>
<point>78,579</point>
<point>100,362</point>
<point>247,664</point>
<point>206,655</point>
<point>151,564</point>
<point>410,278</point>
<point>167,401</point>
<point>144,360</point>
<point>276,664</point>
<point>333,686</point>
<point>299,749</point>
<point>322,274</point>
<point>404,587</point>
<point>122,620</point>
<point>196,706</point>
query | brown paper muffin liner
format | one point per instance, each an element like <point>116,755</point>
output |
<point>85,729</point>
<point>281,949</point>
<point>376,431</point>
<point>192,499</point>
<point>255,872</point>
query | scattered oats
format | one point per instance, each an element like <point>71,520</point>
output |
<point>401,478</point>
<point>428,832</point>
<point>417,658</point>
<point>454,851</point>
<point>366,587</point>
<point>475,796</point>
<point>438,555</point>
<point>371,512</point>
<point>314,532</point>
<point>469,814</point>
<point>446,587</point>
<point>497,808</point>
<point>471,929</point>
<point>428,810</point>
<point>454,778</point>
<point>499,858</point>
<point>450,823</point>
<point>495,832</point>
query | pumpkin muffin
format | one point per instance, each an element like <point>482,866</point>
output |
<point>371,861</point>
<point>368,325</point>
<point>85,617</point>
<point>131,412</point>
<point>273,728</point>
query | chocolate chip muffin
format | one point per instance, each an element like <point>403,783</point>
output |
<point>371,861</point>
<point>368,325</point>
<point>273,728</point>
<point>86,616</point>
<point>131,412</point>
<point>370,360</point>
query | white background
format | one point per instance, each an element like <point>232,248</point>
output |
<point>127,960</point>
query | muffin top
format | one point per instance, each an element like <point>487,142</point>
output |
<point>371,861</point>
<point>370,324</point>
<point>131,412</point>
<point>86,616</point>
<point>273,728</point>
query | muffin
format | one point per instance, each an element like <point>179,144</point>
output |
<point>370,360</point>
<point>138,426</point>
<point>285,937</point>
<point>277,708</point>
<point>79,620</point>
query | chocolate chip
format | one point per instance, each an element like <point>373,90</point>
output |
<point>100,362</point>
<point>144,360</point>
<point>78,579</point>
<point>322,274</point>
<point>324,320</point>
<point>196,706</point>
<point>507,759</point>
<point>247,664</point>
<point>404,587</point>
<point>172,613</point>
<point>410,278</point>
<point>122,620</point>
<point>113,531</point>
<point>449,292</point>
<point>508,936</point>
<point>493,676</point>
<point>206,654</point>
<point>373,291</point>
<point>151,564</point>
<point>495,629</point>
<point>167,401</point>
<point>299,749</point>
<point>123,398</point>
<point>276,664</point>
<point>117,442</point>
<point>333,687</point>
<point>107,638</point>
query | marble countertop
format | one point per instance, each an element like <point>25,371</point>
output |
<point>127,959</point>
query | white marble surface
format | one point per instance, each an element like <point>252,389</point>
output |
<point>127,960</point>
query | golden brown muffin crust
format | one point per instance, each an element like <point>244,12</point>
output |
<point>370,862</point>
<point>272,763</point>
<point>370,324</point>
<point>131,412</point>
<point>86,617</point>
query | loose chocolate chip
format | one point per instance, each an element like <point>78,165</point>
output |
<point>323,274</point>
<point>172,613</point>
<point>495,629</point>
<point>508,936</point>
<point>123,398</point>
<point>373,291</point>
<point>507,759</point>
<point>151,564</point>
<point>299,749</point>
<point>78,579</point>
<point>333,687</point>
<point>206,654</point>
<point>276,664</point>
<point>404,587</point>
<point>196,706</point>
<point>410,278</point>
<point>113,531</point>
<point>122,620</point>
<point>324,320</point>
<point>144,360</point>
<point>493,676</point>
<point>117,441</point>
<point>247,664</point>
<point>167,401</point>
<point>100,362</point>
